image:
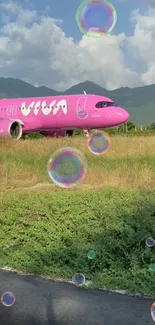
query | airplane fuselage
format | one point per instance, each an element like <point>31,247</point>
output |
<point>61,112</point>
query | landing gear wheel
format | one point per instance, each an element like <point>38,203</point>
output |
<point>69,133</point>
<point>86,132</point>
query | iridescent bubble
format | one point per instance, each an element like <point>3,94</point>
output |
<point>8,299</point>
<point>91,254</point>
<point>152,267</point>
<point>79,279</point>
<point>152,311</point>
<point>96,18</point>
<point>150,242</point>
<point>67,167</point>
<point>99,142</point>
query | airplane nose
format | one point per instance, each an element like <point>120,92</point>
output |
<point>123,115</point>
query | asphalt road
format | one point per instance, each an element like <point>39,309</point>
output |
<point>44,302</point>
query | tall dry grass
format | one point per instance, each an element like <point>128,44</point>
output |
<point>130,162</point>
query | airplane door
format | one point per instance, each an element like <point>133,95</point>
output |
<point>9,110</point>
<point>81,110</point>
<point>14,109</point>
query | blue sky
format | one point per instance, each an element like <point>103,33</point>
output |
<point>66,10</point>
<point>36,48</point>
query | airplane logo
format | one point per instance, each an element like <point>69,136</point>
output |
<point>46,110</point>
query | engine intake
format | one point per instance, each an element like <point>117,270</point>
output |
<point>16,130</point>
<point>11,128</point>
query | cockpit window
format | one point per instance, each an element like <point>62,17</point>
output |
<point>104,104</point>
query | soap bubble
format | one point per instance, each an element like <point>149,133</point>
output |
<point>99,142</point>
<point>95,18</point>
<point>79,279</point>
<point>91,254</point>
<point>153,311</point>
<point>8,299</point>
<point>152,267</point>
<point>150,242</point>
<point>67,167</point>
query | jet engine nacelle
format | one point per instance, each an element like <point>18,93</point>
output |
<point>11,128</point>
<point>56,133</point>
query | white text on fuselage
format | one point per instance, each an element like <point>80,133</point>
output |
<point>46,110</point>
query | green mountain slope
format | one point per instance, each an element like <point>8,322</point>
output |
<point>142,115</point>
<point>12,88</point>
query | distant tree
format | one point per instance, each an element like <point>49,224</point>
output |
<point>121,128</point>
<point>129,126</point>
<point>111,130</point>
<point>152,126</point>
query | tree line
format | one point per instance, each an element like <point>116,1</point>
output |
<point>131,126</point>
<point>126,129</point>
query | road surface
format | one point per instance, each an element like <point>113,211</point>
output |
<point>45,302</point>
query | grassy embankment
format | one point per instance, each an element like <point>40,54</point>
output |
<point>48,230</point>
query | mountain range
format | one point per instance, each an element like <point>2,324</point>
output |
<point>139,102</point>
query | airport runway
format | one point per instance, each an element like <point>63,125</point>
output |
<point>44,302</point>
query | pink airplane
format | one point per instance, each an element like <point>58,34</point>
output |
<point>58,115</point>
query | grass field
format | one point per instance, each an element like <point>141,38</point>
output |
<point>49,231</point>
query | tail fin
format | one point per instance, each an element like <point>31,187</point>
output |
<point>84,92</point>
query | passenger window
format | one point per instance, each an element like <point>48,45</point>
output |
<point>99,105</point>
<point>104,104</point>
<point>111,104</point>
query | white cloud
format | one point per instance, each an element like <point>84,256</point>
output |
<point>36,48</point>
<point>142,44</point>
<point>150,3</point>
